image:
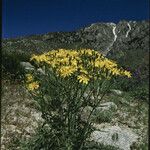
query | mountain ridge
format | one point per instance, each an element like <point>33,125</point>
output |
<point>76,29</point>
<point>98,36</point>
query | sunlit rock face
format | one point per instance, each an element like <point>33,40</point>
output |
<point>110,37</point>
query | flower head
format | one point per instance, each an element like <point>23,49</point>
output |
<point>65,71</point>
<point>33,86</point>
<point>29,77</point>
<point>127,73</point>
<point>83,79</point>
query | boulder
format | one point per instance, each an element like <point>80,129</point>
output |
<point>117,92</point>
<point>102,113</point>
<point>116,136</point>
<point>40,70</point>
<point>85,112</point>
<point>107,106</point>
<point>27,66</point>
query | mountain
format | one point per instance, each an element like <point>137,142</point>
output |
<point>127,42</point>
<point>99,36</point>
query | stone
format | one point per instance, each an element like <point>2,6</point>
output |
<point>116,136</point>
<point>117,92</point>
<point>85,112</point>
<point>107,106</point>
<point>40,70</point>
<point>27,66</point>
<point>100,112</point>
<point>11,127</point>
<point>37,115</point>
<point>29,130</point>
<point>86,95</point>
<point>46,37</point>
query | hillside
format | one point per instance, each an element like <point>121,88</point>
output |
<point>124,110</point>
<point>124,42</point>
<point>99,36</point>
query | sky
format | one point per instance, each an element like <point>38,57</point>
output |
<point>28,17</point>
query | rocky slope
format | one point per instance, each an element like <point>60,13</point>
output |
<point>99,36</point>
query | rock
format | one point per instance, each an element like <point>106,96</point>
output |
<point>11,127</point>
<point>117,92</point>
<point>121,138</point>
<point>40,70</point>
<point>107,106</point>
<point>37,116</point>
<point>86,95</point>
<point>102,113</point>
<point>105,112</point>
<point>46,37</point>
<point>85,112</point>
<point>27,66</point>
<point>29,130</point>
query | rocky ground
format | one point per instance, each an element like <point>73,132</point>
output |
<point>19,116</point>
<point>120,121</point>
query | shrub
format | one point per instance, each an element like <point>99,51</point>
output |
<point>141,93</point>
<point>59,91</point>
<point>11,63</point>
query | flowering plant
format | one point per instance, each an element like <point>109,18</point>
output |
<point>60,89</point>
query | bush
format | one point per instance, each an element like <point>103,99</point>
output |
<point>59,91</point>
<point>141,93</point>
<point>11,63</point>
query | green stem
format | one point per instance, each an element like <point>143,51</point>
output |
<point>86,129</point>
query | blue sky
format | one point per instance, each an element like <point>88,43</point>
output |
<point>28,17</point>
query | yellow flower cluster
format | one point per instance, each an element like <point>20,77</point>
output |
<point>31,85</point>
<point>85,64</point>
<point>83,78</point>
<point>29,78</point>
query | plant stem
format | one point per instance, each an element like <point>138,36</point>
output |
<point>86,129</point>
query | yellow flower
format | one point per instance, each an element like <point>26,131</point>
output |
<point>99,63</point>
<point>115,71</point>
<point>74,62</point>
<point>40,58</point>
<point>88,52</point>
<point>65,71</point>
<point>84,79</point>
<point>83,71</point>
<point>127,73</point>
<point>33,86</point>
<point>29,77</point>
